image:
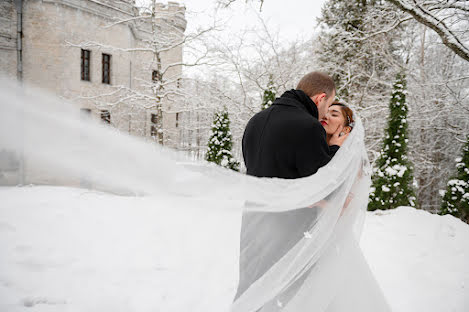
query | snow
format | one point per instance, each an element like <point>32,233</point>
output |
<point>419,259</point>
<point>67,249</point>
<point>397,169</point>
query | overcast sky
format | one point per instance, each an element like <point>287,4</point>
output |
<point>292,18</point>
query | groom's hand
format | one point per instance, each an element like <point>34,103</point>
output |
<point>338,137</point>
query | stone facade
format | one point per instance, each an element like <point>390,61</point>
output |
<point>56,31</point>
<point>8,54</point>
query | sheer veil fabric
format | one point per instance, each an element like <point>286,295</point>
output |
<point>299,238</point>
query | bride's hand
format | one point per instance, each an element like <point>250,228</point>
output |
<point>339,136</point>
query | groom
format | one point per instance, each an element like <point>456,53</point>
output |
<point>287,139</point>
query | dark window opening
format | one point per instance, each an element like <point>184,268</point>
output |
<point>106,116</point>
<point>106,68</point>
<point>154,131</point>
<point>154,127</point>
<point>155,76</point>
<point>177,120</point>
<point>85,64</point>
<point>154,118</point>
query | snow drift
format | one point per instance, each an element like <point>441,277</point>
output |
<point>66,249</point>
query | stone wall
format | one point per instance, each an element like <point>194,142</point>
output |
<point>55,32</point>
<point>8,38</point>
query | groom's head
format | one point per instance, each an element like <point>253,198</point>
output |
<point>320,88</point>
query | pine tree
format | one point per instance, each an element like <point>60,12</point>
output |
<point>392,179</point>
<point>456,197</point>
<point>220,142</point>
<point>269,95</point>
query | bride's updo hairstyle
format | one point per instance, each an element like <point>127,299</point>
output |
<point>347,113</point>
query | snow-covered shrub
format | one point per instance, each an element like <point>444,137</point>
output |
<point>456,197</point>
<point>269,95</point>
<point>392,177</point>
<point>220,142</point>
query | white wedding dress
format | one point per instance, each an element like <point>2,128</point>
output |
<point>299,238</point>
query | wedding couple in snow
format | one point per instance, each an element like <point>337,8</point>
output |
<point>288,259</point>
<point>299,133</point>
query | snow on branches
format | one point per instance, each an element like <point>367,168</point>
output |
<point>220,142</point>
<point>392,179</point>
<point>449,19</point>
<point>269,95</point>
<point>456,197</point>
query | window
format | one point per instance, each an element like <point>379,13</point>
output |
<point>106,116</point>
<point>106,68</point>
<point>155,76</point>
<point>154,129</point>
<point>85,65</point>
<point>177,120</point>
<point>154,118</point>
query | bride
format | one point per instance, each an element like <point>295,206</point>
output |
<point>300,250</point>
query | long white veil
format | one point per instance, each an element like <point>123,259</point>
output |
<point>298,240</point>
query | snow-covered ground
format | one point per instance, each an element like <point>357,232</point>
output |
<point>65,249</point>
<point>421,260</point>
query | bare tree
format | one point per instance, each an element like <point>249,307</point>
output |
<point>248,62</point>
<point>448,18</point>
<point>439,114</point>
<point>160,37</point>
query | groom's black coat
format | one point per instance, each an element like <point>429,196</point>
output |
<point>286,140</point>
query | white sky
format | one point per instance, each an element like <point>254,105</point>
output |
<point>292,18</point>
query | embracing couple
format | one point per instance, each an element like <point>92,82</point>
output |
<point>285,256</point>
<point>299,133</point>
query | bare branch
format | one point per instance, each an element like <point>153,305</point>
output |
<point>423,16</point>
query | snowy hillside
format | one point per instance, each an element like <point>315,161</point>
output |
<point>65,249</point>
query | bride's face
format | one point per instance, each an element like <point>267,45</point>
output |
<point>333,119</point>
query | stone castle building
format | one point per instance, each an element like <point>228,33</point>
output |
<point>113,61</point>
<point>106,56</point>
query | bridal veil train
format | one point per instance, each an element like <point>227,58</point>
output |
<point>299,238</point>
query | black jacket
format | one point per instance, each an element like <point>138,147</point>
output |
<point>286,140</point>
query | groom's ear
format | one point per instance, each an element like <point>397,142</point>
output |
<point>318,97</point>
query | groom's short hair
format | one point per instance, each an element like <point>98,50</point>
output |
<point>316,83</point>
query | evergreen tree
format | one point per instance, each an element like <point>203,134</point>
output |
<point>392,179</point>
<point>456,197</point>
<point>220,142</point>
<point>269,95</point>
